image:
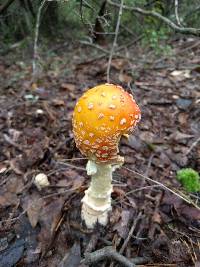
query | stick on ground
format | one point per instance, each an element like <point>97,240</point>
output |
<point>106,253</point>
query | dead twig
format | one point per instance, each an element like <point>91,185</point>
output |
<point>176,13</point>
<point>92,243</point>
<point>12,143</point>
<point>118,49</point>
<point>171,24</point>
<point>35,47</point>
<point>141,188</point>
<point>153,224</point>
<point>64,166</point>
<point>115,40</point>
<point>106,253</point>
<point>147,171</point>
<point>183,197</point>
<point>100,48</point>
<point>130,233</point>
<point>196,44</point>
<point>192,146</point>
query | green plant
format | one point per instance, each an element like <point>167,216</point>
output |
<point>190,179</point>
<point>156,39</point>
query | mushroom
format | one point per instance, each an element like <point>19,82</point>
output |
<point>101,116</point>
<point>41,181</point>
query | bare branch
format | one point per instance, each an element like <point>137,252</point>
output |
<point>167,21</point>
<point>192,146</point>
<point>176,13</point>
<point>181,196</point>
<point>35,48</point>
<point>115,40</point>
<point>95,46</point>
<point>106,253</point>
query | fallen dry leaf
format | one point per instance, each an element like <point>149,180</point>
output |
<point>72,257</point>
<point>8,199</point>
<point>58,102</point>
<point>68,86</point>
<point>33,210</point>
<point>177,135</point>
<point>74,178</point>
<point>49,217</point>
<point>156,218</point>
<point>15,184</point>
<point>181,74</point>
<point>123,225</point>
<point>125,78</point>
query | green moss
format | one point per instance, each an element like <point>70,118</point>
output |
<point>190,179</point>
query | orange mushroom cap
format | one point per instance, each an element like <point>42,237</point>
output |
<point>101,116</point>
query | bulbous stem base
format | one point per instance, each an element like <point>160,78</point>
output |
<point>97,199</point>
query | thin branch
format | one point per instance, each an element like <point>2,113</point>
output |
<point>176,12</point>
<point>130,233</point>
<point>192,146</point>
<point>167,21</point>
<point>140,176</point>
<point>115,40</point>
<point>95,46</point>
<point>141,188</point>
<point>35,48</point>
<point>106,253</point>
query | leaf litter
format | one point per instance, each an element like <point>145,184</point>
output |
<point>146,223</point>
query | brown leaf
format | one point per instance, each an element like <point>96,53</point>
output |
<point>119,63</point>
<point>58,102</point>
<point>115,215</point>
<point>50,214</point>
<point>189,212</point>
<point>35,154</point>
<point>74,177</point>
<point>185,211</point>
<point>147,136</point>
<point>180,75</point>
<point>48,219</point>
<point>183,118</point>
<point>72,257</point>
<point>15,165</point>
<point>8,199</point>
<point>33,203</point>
<point>14,134</point>
<point>123,224</point>
<point>177,135</point>
<point>33,211</point>
<point>125,78</point>
<point>156,218</point>
<point>3,168</point>
<point>68,86</point>
<point>15,185</point>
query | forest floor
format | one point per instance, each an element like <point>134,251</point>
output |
<point>150,224</point>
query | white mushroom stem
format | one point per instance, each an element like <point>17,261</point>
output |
<point>97,199</point>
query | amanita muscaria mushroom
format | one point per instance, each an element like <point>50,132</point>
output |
<point>101,116</point>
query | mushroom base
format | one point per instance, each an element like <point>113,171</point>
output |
<point>97,199</point>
